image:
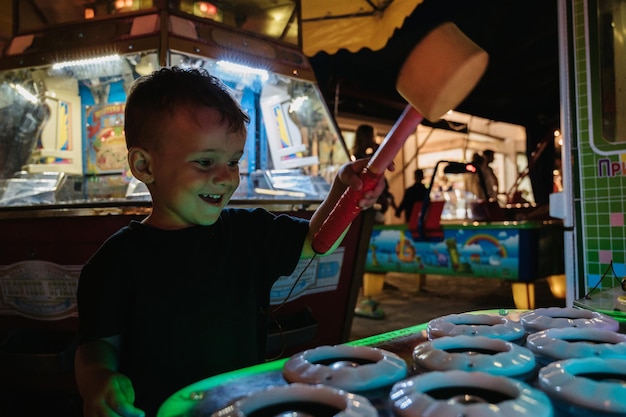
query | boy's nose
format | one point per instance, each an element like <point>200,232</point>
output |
<point>222,174</point>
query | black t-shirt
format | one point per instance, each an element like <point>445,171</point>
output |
<point>188,303</point>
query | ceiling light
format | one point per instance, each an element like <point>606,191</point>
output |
<point>87,61</point>
<point>243,69</point>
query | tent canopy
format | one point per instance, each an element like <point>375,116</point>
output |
<point>331,25</point>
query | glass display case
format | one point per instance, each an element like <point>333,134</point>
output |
<point>63,90</point>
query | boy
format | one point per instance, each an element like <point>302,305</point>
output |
<point>184,294</point>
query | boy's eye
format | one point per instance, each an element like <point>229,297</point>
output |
<point>233,164</point>
<point>204,162</point>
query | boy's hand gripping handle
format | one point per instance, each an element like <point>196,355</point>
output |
<point>347,208</point>
<point>343,213</point>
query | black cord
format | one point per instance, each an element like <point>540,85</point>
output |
<point>610,268</point>
<point>282,303</point>
<point>293,287</point>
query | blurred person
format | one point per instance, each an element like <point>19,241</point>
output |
<point>413,194</point>
<point>364,142</point>
<point>540,134</point>
<point>491,181</point>
<point>473,182</point>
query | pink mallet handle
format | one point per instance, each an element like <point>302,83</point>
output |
<point>347,208</point>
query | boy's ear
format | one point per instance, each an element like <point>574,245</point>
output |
<point>140,164</point>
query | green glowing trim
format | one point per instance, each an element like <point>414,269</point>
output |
<point>387,337</point>
<point>182,402</point>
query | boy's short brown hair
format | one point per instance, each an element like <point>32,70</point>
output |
<point>154,100</point>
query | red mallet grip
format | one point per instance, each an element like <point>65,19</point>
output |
<point>347,208</point>
<point>344,212</point>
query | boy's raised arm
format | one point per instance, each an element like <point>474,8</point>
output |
<point>348,176</point>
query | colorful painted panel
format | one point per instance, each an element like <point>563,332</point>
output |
<point>492,251</point>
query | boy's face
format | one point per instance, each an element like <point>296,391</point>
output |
<point>194,169</point>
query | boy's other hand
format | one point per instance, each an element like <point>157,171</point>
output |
<point>114,398</point>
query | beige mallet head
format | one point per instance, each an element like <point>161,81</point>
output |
<point>440,71</point>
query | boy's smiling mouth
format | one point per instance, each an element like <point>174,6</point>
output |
<point>212,198</point>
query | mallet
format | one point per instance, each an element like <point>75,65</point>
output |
<point>437,75</point>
